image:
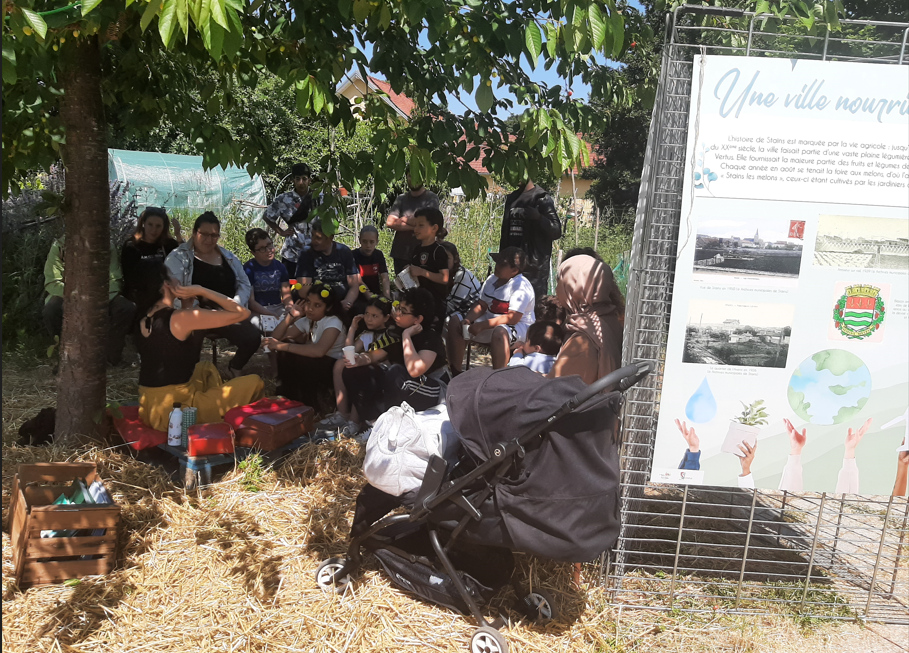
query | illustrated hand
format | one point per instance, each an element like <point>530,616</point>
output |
<point>748,458</point>
<point>796,440</point>
<point>297,309</point>
<point>903,458</point>
<point>413,330</point>
<point>694,442</point>
<point>854,437</point>
<point>271,343</point>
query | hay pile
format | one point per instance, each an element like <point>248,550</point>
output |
<point>227,569</point>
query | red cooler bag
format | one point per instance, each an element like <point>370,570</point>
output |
<point>210,439</point>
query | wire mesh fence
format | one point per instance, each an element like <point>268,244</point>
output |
<point>748,551</point>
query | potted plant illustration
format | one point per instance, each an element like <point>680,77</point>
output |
<point>744,428</point>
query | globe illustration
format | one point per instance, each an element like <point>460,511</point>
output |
<point>829,387</point>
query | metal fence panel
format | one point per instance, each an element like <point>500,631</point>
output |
<point>714,549</point>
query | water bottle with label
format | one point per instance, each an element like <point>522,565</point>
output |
<point>175,426</point>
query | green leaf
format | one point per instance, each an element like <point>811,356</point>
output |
<point>151,10</point>
<point>361,10</point>
<point>88,5</point>
<point>597,26</point>
<point>574,143</point>
<point>217,40</point>
<point>183,17</point>
<point>552,39</point>
<point>484,96</point>
<point>318,98</point>
<point>384,18</point>
<point>9,65</point>
<point>167,20</point>
<point>217,13</point>
<point>534,42</point>
<point>72,582</point>
<point>344,7</point>
<point>617,27</point>
<point>762,7</point>
<point>35,21</point>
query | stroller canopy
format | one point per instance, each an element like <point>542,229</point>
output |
<point>562,503</point>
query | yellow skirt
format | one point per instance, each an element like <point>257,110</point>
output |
<point>205,391</point>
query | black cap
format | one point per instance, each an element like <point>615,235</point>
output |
<point>513,256</point>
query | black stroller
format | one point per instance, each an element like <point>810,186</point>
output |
<point>538,473</point>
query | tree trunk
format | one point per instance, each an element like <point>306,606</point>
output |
<point>82,383</point>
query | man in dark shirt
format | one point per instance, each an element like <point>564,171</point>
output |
<point>530,222</point>
<point>331,263</point>
<point>400,217</point>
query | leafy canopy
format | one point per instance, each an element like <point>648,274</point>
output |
<point>156,52</point>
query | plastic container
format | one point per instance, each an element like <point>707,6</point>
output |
<point>350,353</point>
<point>189,419</point>
<point>175,426</point>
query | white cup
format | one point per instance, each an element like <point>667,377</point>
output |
<point>466,330</point>
<point>350,353</point>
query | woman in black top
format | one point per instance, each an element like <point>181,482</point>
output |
<point>151,243</point>
<point>202,262</point>
<point>169,343</point>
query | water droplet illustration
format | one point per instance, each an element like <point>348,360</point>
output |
<point>701,408</point>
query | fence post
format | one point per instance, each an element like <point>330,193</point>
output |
<point>877,560</point>
<point>899,549</point>
<point>817,529</point>
<point>678,546</point>
<point>738,591</point>
<point>596,231</point>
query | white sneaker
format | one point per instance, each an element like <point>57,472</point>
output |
<point>333,421</point>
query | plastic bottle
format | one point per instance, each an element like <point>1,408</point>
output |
<point>175,426</point>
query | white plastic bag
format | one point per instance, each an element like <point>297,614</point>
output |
<point>401,443</point>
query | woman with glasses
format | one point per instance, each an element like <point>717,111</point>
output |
<point>202,262</point>
<point>268,277</point>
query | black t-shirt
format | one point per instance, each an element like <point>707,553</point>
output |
<point>422,341</point>
<point>220,278</point>
<point>331,269</point>
<point>435,259</point>
<point>302,213</point>
<point>370,268</point>
<point>135,255</point>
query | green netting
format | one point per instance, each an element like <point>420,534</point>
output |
<point>177,181</point>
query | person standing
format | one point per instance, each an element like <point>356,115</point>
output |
<point>293,207</point>
<point>400,219</point>
<point>530,223</point>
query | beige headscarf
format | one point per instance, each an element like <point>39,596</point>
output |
<point>596,309</point>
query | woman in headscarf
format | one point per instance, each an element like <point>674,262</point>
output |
<point>596,316</point>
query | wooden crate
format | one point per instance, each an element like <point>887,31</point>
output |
<point>43,561</point>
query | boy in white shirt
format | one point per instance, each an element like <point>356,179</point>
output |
<point>502,315</point>
<point>544,340</point>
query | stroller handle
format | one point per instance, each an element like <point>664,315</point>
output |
<point>624,377</point>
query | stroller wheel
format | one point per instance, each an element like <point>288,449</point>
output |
<point>539,606</point>
<point>326,572</point>
<point>488,640</point>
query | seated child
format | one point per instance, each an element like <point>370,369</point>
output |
<point>371,265</point>
<point>548,309</point>
<point>399,367</point>
<point>429,263</point>
<point>376,320</point>
<point>463,287</point>
<point>268,277</point>
<point>308,340</point>
<point>544,339</point>
<point>502,315</point>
